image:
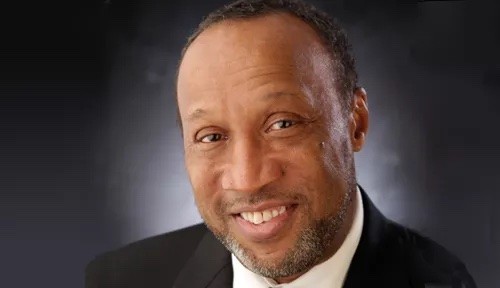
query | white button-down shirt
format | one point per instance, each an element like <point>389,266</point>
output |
<point>330,273</point>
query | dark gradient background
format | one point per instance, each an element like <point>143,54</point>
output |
<point>91,157</point>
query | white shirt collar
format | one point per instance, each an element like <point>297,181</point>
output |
<point>330,273</point>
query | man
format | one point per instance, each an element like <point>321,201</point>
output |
<point>271,115</point>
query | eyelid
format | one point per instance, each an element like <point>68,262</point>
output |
<point>276,116</point>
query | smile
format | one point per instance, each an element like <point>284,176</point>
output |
<point>266,224</point>
<point>259,217</point>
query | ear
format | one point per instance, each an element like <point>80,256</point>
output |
<point>359,119</point>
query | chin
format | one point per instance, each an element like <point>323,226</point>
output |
<point>269,253</point>
<point>275,255</point>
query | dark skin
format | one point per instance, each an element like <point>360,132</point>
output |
<point>260,112</point>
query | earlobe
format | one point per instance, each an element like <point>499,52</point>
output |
<point>358,135</point>
<point>359,140</point>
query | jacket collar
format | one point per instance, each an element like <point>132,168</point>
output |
<point>365,258</point>
<point>210,265</point>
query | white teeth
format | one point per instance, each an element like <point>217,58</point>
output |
<point>267,215</point>
<point>249,216</point>
<point>257,217</point>
<point>282,210</point>
<point>262,216</point>
<point>244,215</point>
<point>275,213</point>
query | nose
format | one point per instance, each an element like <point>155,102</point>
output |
<point>251,166</point>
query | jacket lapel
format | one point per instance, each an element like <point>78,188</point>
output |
<point>377,262</point>
<point>362,268</point>
<point>209,266</point>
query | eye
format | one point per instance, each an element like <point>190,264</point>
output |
<point>281,124</point>
<point>210,138</point>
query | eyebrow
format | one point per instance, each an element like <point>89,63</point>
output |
<point>199,112</point>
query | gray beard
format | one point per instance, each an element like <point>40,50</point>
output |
<point>312,245</point>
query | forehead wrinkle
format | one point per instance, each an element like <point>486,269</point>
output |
<point>264,78</point>
<point>198,113</point>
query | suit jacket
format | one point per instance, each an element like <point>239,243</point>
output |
<point>388,255</point>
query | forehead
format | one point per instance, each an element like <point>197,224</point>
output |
<point>233,52</point>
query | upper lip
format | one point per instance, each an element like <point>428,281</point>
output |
<point>261,206</point>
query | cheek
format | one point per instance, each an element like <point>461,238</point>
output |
<point>305,168</point>
<point>311,160</point>
<point>316,168</point>
<point>204,176</point>
<point>203,184</point>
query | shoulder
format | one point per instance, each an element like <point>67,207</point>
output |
<point>426,260</point>
<point>145,263</point>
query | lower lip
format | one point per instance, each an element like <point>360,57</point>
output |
<point>265,230</point>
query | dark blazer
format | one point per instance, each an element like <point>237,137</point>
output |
<point>388,255</point>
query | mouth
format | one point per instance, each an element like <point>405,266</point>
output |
<point>266,224</point>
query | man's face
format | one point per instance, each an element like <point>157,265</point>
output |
<point>268,148</point>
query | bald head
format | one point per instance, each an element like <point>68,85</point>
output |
<point>278,45</point>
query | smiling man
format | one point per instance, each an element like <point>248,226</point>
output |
<point>271,114</point>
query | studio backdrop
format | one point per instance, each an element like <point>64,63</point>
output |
<point>432,74</point>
